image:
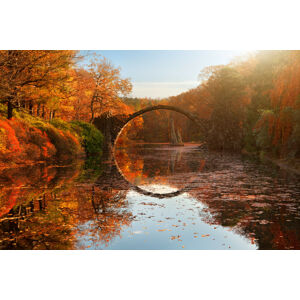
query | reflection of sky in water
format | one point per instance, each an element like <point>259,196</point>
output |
<point>158,188</point>
<point>174,223</point>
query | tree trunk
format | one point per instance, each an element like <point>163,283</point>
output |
<point>9,110</point>
<point>38,110</point>
<point>108,147</point>
<point>92,112</point>
<point>30,107</point>
<point>43,111</point>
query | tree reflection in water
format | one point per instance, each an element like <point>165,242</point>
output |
<point>110,216</point>
<point>51,207</point>
<point>48,212</point>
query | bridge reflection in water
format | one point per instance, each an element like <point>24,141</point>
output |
<point>156,197</point>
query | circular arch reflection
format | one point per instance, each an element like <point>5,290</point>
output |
<point>143,191</point>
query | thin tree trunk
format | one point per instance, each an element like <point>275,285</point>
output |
<point>9,110</point>
<point>43,111</point>
<point>92,111</point>
<point>30,107</point>
<point>38,110</point>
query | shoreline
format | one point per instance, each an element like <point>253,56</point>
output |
<point>281,163</point>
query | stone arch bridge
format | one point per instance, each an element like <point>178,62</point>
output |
<point>112,126</point>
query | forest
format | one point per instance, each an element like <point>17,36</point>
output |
<point>50,99</point>
<point>251,105</point>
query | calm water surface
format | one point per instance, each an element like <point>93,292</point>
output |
<point>151,197</point>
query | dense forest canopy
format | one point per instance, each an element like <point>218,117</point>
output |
<point>252,103</point>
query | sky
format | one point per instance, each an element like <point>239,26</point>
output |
<point>164,73</point>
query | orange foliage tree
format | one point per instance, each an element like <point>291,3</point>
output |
<point>108,88</point>
<point>34,77</point>
<point>285,101</point>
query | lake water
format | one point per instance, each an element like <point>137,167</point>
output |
<point>151,197</point>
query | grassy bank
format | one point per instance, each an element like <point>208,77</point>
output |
<point>26,139</point>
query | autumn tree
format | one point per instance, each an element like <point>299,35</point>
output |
<point>34,77</point>
<point>284,116</point>
<point>108,88</point>
<point>258,72</point>
<point>77,106</point>
<point>227,98</point>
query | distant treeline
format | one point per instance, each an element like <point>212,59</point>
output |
<point>251,104</point>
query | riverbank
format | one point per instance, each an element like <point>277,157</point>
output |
<point>292,166</point>
<point>28,140</point>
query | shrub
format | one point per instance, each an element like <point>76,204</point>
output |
<point>26,138</point>
<point>63,125</point>
<point>66,145</point>
<point>60,134</point>
<point>91,137</point>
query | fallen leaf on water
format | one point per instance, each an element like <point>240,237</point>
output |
<point>173,237</point>
<point>263,222</point>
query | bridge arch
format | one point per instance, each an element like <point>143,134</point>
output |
<point>190,116</point>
